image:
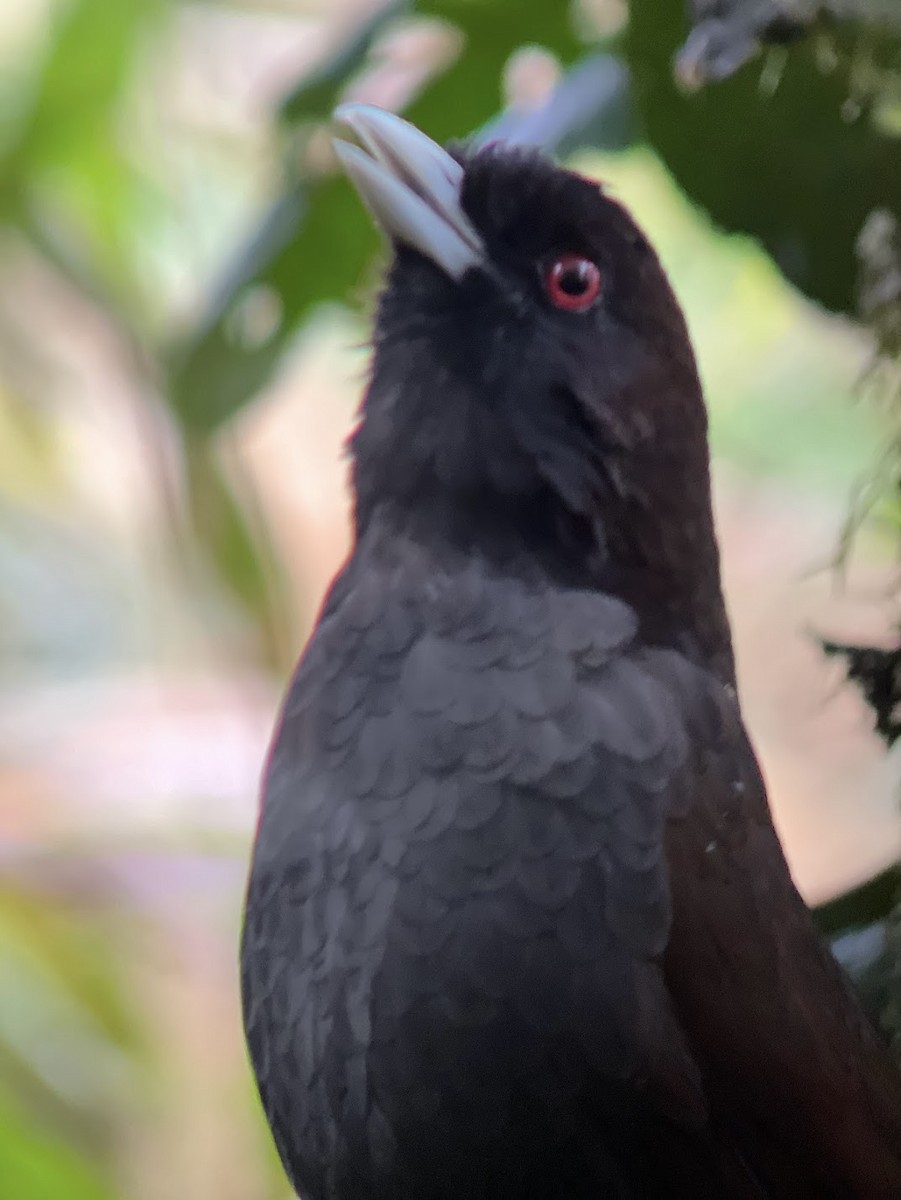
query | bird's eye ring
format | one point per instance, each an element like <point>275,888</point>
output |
<point>573,283</point>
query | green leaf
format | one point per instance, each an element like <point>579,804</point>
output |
<point>863,926</point>
<point>589,108</point>
<point>310,248</point>
<point>782,151</point>
<point>316,243</point>
<point>68,1038</point>
<point>869,956</point>
<point>66,955</point>
<point>36,1166</point>
<point>67,180</point>
<point>316,94</point>
<point>82,76</point>
<point>462,98</point>
<point>869,902</point>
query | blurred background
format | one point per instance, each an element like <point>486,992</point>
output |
<point>184,282</point>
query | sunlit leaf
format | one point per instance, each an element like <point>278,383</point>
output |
<point>311,249</point>
<point>67,1039</point>
<point>86,65</point>
<point>69,955</point>
<point>67,180</point>
<point>316,244</point>
<point>36,1166</point>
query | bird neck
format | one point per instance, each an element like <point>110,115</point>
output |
<point>663,560</point>
<point>528,536</point>
<point>655,550</point>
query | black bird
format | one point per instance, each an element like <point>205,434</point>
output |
<point>518,923</point>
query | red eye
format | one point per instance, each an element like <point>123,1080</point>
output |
<point>573,282</point>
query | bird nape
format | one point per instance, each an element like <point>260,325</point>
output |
<point>518,923</point>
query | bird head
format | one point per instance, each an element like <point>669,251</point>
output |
<point>533,392</point>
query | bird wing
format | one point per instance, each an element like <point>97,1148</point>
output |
<point>461,882</point>
<point>791,1066</point>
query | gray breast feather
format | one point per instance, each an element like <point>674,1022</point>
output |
<point>463,820</point>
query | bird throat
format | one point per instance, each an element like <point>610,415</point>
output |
<point>463,485</point>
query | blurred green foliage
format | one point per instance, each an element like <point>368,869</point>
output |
<point>67,182</point>
<point>67,1035</point>
<point>769,158</point>
<point>317,242</point>
<point>798,149</point>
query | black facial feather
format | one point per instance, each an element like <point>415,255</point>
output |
<point>531,434</point>
<point>518,923</point>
